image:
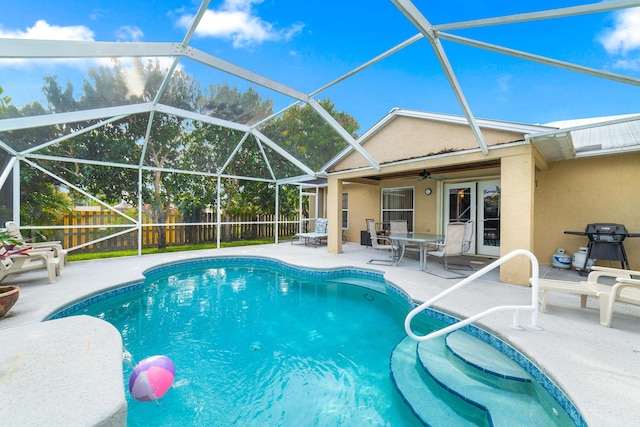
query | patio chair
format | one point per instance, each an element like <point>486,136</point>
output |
<point>453,246</point>
<point>462,262</point>
<point>381,243</point>
<point>55,245</point>
<point>401,227</point>
<point>31,260</point>
<point>318,235</point>
<point>626,290</point>
<point>468,236</point>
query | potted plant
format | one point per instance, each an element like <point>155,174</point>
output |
<point>9,246</point>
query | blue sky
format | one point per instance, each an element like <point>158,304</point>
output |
<point>308,44</point>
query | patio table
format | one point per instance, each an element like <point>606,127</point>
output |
<point>420,238</point>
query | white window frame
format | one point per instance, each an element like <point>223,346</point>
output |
<point>345,210</point>
<point>383,210</point>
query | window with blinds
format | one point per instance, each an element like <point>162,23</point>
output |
<point>345,211</point>
<point>397,204</point>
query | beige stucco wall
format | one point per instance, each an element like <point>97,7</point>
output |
<point>516,214</point>
<point>364,202</point>
<point>334,215</point>
<point>571,194</point>
<point>407,138</point>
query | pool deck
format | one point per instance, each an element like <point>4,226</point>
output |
<point>598,367</point>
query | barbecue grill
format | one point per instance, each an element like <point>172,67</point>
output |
<point>605,242</point>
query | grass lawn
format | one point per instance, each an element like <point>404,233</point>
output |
<point>132,252</point>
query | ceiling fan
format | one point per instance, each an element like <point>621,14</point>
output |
<point>425,174</point>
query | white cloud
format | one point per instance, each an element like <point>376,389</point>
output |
<point>135,79</point>
<point>42,30</point>
<point>625,34</point>
<point>45,31</point>
<point>628,64</point>
<point>236,20</point>
<point>128,33</point>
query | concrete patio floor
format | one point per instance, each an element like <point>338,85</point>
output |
<point>598,367</point>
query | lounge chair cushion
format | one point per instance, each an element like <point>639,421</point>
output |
<point>319,233</point>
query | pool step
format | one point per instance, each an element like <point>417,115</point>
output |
<point>364,282</point>
<point>430,402</point>
<point>482,357</point>
<point>467,369</point>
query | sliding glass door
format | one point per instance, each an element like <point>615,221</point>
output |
<point>489,218</point>
<point>478,202</point>
<point>460,205</point>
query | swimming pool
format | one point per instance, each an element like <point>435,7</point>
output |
<point>256,342</point>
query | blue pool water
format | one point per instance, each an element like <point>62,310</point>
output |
<point>262,346</point>
<point>259,343</point>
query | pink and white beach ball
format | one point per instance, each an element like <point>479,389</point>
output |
<point>152,378</point>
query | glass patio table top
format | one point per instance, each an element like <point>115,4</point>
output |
<point>420,238</point>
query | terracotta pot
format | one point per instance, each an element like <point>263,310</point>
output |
<point>8,297</point>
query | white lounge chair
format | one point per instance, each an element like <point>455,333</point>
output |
<point>55,245</point>
<point>35,260</point>
<point>626,290</point>
<point>318,235</point>
<point>382,243</point>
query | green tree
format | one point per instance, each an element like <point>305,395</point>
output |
<point>210,146</point>
<point>43,201</point>
<point>308,137</point>
<point>173,142</point>
<point>120,142</point>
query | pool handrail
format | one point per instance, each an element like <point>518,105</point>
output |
<point>516,308</point>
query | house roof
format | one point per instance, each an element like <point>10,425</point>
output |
<point>601,135</point>
<point>559,140</point>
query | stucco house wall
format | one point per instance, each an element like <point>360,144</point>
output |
<point>363,201</point>
<point>571,194</point>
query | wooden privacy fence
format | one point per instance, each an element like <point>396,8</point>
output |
<point>102,224</point>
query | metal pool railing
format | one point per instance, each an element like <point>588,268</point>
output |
<point>533,307</point>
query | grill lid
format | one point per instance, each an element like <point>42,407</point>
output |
<point>606,232</point>
<point>606,229</point>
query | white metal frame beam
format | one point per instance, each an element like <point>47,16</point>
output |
<point>541,59</point>
<point>83,49</point>
<point>605,6</point>
<point>71,117</point>
<point>275,147</point>
<point>412,13</point>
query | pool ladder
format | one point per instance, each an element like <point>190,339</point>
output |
<point>533,307</point>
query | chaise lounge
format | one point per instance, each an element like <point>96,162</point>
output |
<point>55,245</point>
<point>625,290</point>
<point>318,235</point>
<point>29,261</point>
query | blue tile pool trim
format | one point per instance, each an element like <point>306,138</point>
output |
<point>85,302</point>
<point>264,262</point>
<point>560,397</point>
